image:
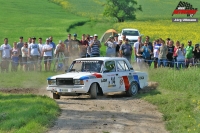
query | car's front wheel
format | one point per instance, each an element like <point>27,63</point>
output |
<point>133,89</point>
<point>93,91</point>
<point>56,96</point>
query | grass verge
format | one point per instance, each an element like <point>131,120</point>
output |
<point>178,98</point>
<point>26,113</point>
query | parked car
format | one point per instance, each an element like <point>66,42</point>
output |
<point>131,34</point>
<point>97,76</point>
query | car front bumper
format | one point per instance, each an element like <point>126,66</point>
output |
<point>70,89</point>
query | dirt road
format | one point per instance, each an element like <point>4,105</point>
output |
<point>113,113</point>
<point>107,114</point>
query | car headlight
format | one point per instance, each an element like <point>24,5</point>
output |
<point>52,82</point>
<point>78,82</point>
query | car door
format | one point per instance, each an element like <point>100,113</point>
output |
<point>124,75</point>
<point>109,76</point>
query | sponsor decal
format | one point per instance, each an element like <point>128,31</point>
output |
<point>141,77</point>
<point>111,82</point>
<point>126,82</point>
<point>87,61</point>
<point>136,79</point>
<point>103,80</point>
<point>97,75</point>
<point>121,81</point>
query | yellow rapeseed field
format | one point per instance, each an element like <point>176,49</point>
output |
<point>182,31</point>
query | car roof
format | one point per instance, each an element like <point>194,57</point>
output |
<point>101,58</point>
<point>130,29</point>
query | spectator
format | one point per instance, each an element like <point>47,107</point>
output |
<point>180,56</point>
<point>155,52</point>
<point>111,47</point>
<point>177,46</point>
<point>170,54</point>
<point>116,42</point>
<point>146,53</point>
<point>196,52</point>
<point>75,46</point>
<point>40,58</point>
<point>20,44</point>
<point>136,47</point>
<point>89,48</point>
<point>189,54</point>
<point>116,39</point>
<point>15,57</point>
<point>6,55</point>
<point>83,46</point>
<point>95,47</point>
<point>167,41</point>
<point>68,43</point>
<point>47,54</point>
<point>59,48</point>
<point>139,55</point>
<point>29,40</point>
<point>117,48</point>
<point>34,53</point>
<point>24,51</point>
<point>51,42</point>
<point>126,50</point>
<point>123,39</point>
<point>162,54</point>
<point>150,46</point>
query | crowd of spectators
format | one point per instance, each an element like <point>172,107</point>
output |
<point>28,56</point>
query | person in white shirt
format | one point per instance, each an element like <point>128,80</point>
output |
<point>136,48</point>
<point>5,51</point>
<point>47,54</point>
<point>34,53</point>
<point>111,47</point>
<point>41,57</point>
<point>24,51</point>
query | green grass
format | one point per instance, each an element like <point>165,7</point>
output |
<point>26,113</point>
<point>177,97</point>
<point>34,18</point>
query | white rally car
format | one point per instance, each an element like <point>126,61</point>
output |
<point>97,75</point>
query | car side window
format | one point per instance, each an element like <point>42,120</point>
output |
<point>109,66</point>
<point>122,66</point>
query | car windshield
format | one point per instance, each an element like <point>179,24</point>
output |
<point>86,66</point>
<point>130,33</point>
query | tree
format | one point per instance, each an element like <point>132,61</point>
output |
<point>121,9</point>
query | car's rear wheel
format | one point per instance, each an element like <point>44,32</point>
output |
<point>56,96</point>
<point>133,89</point>
<point>93,91</point>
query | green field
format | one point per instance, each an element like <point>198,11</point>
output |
<point>177,96</point>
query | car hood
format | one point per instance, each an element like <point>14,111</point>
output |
<point>77,75</point>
